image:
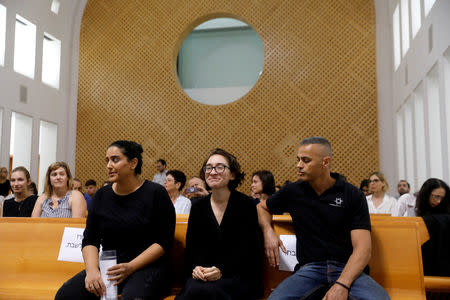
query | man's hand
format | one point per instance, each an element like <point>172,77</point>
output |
<point>271,244</point>
<point>336,292</point>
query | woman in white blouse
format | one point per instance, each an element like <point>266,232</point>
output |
<point>174,183</point>
<point>379,202</point>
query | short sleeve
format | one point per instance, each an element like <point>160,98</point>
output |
<point>360,211</point>
<point>277,203</point>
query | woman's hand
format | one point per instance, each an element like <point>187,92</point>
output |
<point>212,274</point>
<point>197,273</point>
<point>119,272</point>
<point>94,283</point>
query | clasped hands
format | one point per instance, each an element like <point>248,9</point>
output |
<point>117,273</point>
<point>206,274</point>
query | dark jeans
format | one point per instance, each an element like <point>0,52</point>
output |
<point>317,277</point>
<point>150,282</point>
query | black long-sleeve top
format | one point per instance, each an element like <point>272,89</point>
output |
<point>130,224</point>
<point>232,246</point>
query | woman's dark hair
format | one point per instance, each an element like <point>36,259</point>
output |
<point>268,182</point>
<point>364,183</point>
<point>178,176</point>
<point>131,150</point>
<point>423,207</point>
<point>235,168</point>
<point>32,187</point>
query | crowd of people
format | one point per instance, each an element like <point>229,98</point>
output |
<point>136,217</point>
<point>432,198</point>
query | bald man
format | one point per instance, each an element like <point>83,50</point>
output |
<point>332,226</point>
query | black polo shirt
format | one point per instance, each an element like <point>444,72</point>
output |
<point>322,223</point>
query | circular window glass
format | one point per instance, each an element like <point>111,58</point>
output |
<point>220,61</point>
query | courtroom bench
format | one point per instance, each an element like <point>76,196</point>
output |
<point>29,249</point>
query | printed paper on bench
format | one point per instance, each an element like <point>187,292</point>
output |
<point>70,249</point>
<point>288,260</point>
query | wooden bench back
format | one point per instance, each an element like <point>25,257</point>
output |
<point>29,249</point>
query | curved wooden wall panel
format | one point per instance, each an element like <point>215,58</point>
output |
<point>319,78</point>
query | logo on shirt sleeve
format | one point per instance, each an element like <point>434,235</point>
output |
<point>338,202</point>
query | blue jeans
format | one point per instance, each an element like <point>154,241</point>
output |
<point>314,276</point>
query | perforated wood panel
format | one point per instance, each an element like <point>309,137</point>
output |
<point>319,78</point>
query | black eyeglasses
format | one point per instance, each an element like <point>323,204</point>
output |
<point>220,168</point>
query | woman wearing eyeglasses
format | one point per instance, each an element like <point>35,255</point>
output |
<point>222,250</point>
<point>433,198</point>
<point>379,202</point>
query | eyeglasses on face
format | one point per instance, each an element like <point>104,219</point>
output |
<point>437,197</point>
<point>220,168</point>
<point>374,181</point>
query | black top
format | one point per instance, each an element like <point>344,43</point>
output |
<point>4,188</point>
<point>435,252</point>
<point>130,224</point>
<point>322,223</point>
<point>232,246</point>
<point>11,208</point>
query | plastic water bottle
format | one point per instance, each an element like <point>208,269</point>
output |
<point>107,260</point>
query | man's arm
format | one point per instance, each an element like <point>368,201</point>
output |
<point>362,247</point>
<point>271,240</point>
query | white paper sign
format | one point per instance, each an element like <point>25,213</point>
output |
<point>288,260</point>
<point>70,249</point>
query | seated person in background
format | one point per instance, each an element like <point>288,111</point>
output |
<point>433,198</point>
<point>58,199</point>
<point>134,217</point>
<point>33,188</point>
<point>403,187</point>
<point>379,202</point>
<point>91,187</point>
<point>196,187</point>
<point>332,226</point>
<point>222,250</point>
<point>405,206</point>
<point>263,185</point>
<point>174,183</point>
<point>433,205</point>
<point>364,187</point>
<point>77,186</point>
<point>23,202</point>
<point>161,174</point>
<point>4,182</point>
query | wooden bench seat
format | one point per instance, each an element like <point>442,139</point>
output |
<point>29,249</point>
<point>437,284</point>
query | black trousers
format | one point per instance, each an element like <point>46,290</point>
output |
<point>222,289</point>
<point>150,282</point>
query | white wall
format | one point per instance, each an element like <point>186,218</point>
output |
<point>57,106</point>
<point>48,134</point>
<point>21,136</point>
<point>418,87</point>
